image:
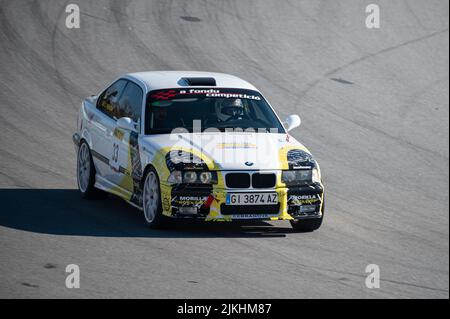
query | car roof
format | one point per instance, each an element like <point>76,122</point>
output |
<point>155,80</point>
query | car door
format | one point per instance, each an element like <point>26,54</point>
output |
<point>125,142</point>
<point>103,129</point>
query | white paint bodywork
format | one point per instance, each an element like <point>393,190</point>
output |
<point>230,152</point>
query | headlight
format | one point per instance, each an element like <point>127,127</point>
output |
<point>205,177</point>
<point>192,177</point>
<point>316,177</point>
<point>175,177</point>
<point>296,177</point>
<point>189,177</point>
<point>288,177</point>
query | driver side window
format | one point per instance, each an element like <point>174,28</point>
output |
<point>108,100</point>
<point>130,103</point>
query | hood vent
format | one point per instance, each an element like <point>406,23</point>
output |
<point>200,81</point>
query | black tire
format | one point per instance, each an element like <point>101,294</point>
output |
<point>308,225</point>
<point>88,191</point>
<point>156,220</point>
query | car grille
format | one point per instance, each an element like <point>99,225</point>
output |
<point>249,209</point>
<point>238,180</point>
<point>257,180</point>
<point>263,180</point>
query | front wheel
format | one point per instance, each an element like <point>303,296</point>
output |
<point>151,201</point>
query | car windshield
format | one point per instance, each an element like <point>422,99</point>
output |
<point>207,108</point>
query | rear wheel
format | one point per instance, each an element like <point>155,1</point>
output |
<point>86,174</point>
<point>151,201</point>
<point>309,225</point>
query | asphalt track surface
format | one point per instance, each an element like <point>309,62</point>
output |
<point>375,110</point>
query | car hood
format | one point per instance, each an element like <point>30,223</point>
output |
<point>230,151</point>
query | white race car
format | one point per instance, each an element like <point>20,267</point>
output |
<point>196,145</point>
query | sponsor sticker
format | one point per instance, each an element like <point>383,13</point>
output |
<point>172,94</point>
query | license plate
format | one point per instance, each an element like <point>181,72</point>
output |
<point>252,199</point>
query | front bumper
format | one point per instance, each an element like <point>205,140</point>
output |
<point>209,204</point>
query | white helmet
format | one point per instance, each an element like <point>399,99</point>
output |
<point>227,108</point>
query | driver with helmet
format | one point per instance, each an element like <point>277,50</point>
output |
<point>229,109</point>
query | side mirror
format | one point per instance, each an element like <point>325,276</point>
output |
<point>292,121</point>
<point>127,124</point>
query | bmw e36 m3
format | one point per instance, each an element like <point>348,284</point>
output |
<point>196,145</point>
